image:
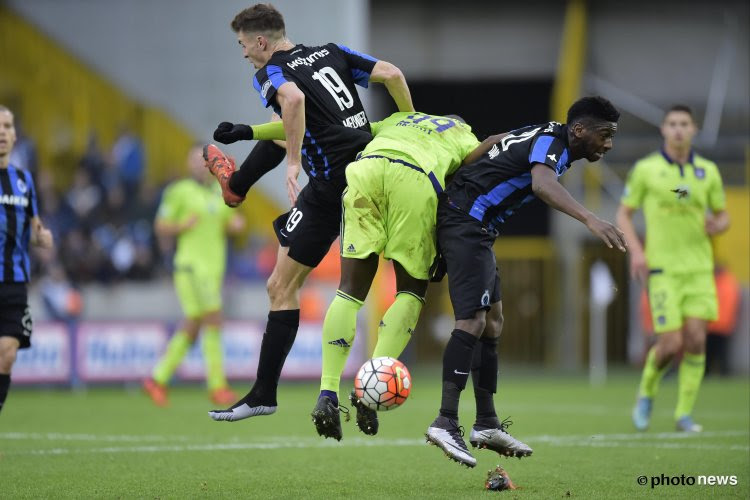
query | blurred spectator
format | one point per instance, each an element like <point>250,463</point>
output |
<point>128,159</point>
<point>24,151</point>
<point>61,300</point>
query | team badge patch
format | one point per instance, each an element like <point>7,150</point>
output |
<point>700,173</point>
<point>21,185</point>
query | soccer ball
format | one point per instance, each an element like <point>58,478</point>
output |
<point>382,383</point>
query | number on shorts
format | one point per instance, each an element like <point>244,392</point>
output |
<point>332,82</point>
<point>293,219</point>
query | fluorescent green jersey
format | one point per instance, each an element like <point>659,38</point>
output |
<point>434,143</point>
<point>203,246</point>
<point>675,199</point>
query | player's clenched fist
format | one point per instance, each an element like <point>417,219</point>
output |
<point>228,133</point>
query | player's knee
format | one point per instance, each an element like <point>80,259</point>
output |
<point>475,326</point>
<point>494,326</point>
<point>669,345</point>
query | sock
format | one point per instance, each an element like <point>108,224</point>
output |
<point>281,330</point>
<point>689,381</point>
<point>212,356</point>
<point>334,397</point>
<point>397,325</point>
<point>263,158</point>
<point>484,373</point>
<point>4,387</point>
<point>456,367</point>
<point>178,346</point>
<point>339,328</point>
<point>651,376</point>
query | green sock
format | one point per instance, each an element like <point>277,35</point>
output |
<point>398,324</point>
<point>339,328</point>
<point>689,381</point>
<point>651,376</point>
<point>178,346</point>
<point>212,356</point>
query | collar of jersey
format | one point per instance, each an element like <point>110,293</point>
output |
<point>671,161</point>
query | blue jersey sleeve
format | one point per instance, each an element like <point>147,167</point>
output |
<point>360,65</point>
<point>550,151</point>
<point>267,81</point>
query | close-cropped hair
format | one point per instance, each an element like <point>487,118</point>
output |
<point>595,107</point>
<point>260,18</point>
<point>682,108</point>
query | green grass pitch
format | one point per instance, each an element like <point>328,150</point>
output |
<point>112,443</point>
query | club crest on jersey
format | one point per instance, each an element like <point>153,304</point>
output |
<point>681,192</point>
<point>264,89</point>
<point>21,185</point>
<point>700,173</point>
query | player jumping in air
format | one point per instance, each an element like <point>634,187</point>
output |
<point>20,226</point>
<point>523,165</point>
<point>192,212</point>
<point>312,89</point>
<point>683,202</point>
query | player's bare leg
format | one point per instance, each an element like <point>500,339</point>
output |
<point>8,350</point>
<point>283,286</point>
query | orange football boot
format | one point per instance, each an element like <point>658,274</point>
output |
<point>223,396</point>
<point>222,167</point>
<point>156,391</point>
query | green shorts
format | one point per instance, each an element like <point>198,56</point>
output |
<point>199,293</point>
<point>389,208</point>
<point>674,297</point>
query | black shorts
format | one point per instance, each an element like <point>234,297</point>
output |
<point>473,278</point>
<point>311,227</point>
<point>15,318</point>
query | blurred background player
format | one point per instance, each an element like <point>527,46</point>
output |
<point>192,211</point>
<point>389,207</point>
<point>524,165</point>
<point>312,89</point>
<point>20,225</point>
<point>683,203</point>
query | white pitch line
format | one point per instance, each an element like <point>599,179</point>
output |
<point>621,440</point>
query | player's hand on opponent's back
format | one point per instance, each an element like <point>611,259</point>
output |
<point>608,233</point>
<point>228,133</point>
<point>292,186</point>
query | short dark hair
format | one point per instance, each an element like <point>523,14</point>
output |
<point>682,108</point>
<point>260,18</point>
<point>595,107</point>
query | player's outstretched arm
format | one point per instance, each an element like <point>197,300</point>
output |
<point>545,186</point>
<point>638,264</point>
<point>229,133</point>
<point>394,81</point>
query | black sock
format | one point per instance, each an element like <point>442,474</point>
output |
<point>263,158</point>
<point>281,331</point>
<point>456,368</point>
<point>484,375</point>
<point>4,386</point>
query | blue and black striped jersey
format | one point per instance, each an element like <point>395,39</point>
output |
<point>337,127</point>
<point>18,206</point>
<point>496,185</point>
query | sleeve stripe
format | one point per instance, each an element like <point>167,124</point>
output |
<point>256,85</point>
<point>275,75</point>
<point>541,147</point>
<point>356,53</point>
